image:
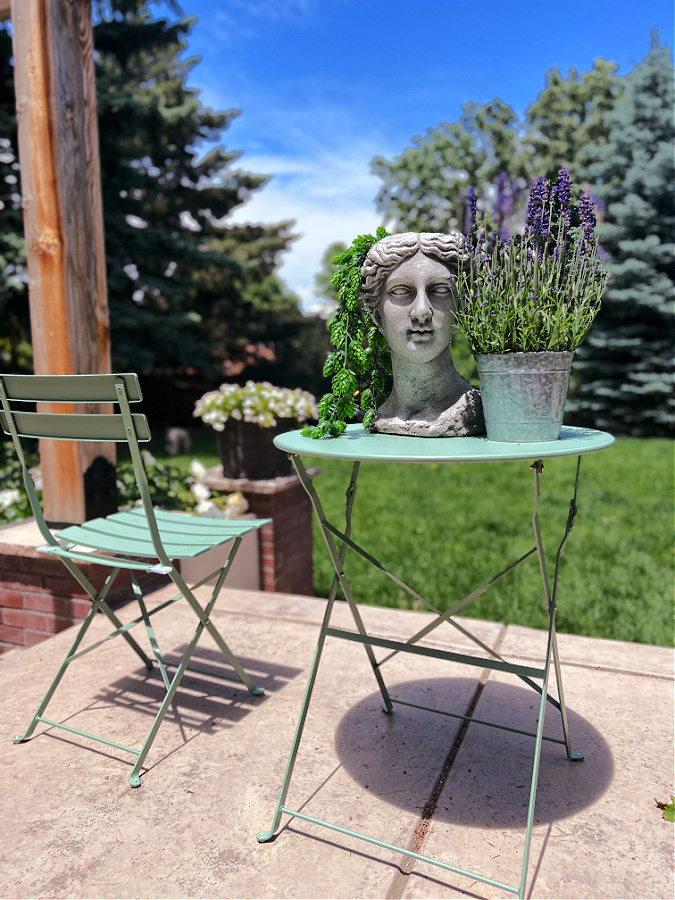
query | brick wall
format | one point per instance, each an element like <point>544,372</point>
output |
<point>286,544</point>
<point>39,597</point>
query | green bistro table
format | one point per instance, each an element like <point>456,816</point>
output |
<point>361,446</point>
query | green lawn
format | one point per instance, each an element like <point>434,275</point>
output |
<point>445,529</point>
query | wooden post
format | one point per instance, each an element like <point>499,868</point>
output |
<point>63,221</point>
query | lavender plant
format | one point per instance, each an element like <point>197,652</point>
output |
<point>537,291</point>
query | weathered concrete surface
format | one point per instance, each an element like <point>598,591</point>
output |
<point>72,826</point>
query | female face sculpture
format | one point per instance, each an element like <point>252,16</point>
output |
<point>416,312</point>
<point>409,288</point>
<point>407,284</point>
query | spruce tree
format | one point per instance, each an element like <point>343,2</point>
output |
<point>624,370</point>
<point>178,276</point>
<point>187,291</point>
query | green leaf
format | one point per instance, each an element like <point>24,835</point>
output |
<point>668,809</point>
<point>325,405</point>
<point>331,364</point>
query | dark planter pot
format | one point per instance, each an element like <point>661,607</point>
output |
<point>247,451</point>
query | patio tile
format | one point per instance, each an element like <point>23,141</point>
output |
<point>72,826</point>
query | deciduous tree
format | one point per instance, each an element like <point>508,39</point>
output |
<point>567,122</point>
<point>425,187</point>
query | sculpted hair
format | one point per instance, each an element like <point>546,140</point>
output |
<point>384,256</point>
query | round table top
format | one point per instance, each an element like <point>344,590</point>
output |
<point>357,444</point>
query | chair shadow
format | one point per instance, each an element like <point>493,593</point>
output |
<point>204,700</point>
<point>489,782</point>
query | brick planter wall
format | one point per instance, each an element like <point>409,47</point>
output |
<point>39,597</point>
<point>285,544</point>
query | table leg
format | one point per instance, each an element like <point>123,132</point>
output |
<point>337,558</point>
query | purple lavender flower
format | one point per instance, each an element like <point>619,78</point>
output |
<point>564,187</point>
<point>587,219</point>
<point>535,207</point>
<point>471,211</point>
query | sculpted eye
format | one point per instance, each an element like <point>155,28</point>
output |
<point>400,290</point>
<point>441,289</point>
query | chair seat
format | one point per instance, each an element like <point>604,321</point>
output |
<point>183,536</point>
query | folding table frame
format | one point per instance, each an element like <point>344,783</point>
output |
<point>358,446</point>
<point>139,540</point>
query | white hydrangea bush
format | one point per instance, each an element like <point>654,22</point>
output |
<point>258,402</point>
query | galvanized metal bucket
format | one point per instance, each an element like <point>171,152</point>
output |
<point>524,394</point>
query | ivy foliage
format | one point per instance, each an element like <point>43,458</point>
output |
<point>361,359</point>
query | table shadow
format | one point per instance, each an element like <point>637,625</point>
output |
<point>487,785</point>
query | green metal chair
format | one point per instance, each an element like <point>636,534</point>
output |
<point>140,540</point>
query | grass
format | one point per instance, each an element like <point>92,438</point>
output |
<point>446,529</point>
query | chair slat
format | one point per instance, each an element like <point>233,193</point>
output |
<point>71,388</point>
<point>178,522</point>
<point>113,526</point>
<point>130,545</point>
<point>59,426</point>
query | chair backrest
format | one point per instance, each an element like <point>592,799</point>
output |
<point>69,424</point>
<point>69,389</point>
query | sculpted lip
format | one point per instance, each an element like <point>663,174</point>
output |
<point>420,332</point>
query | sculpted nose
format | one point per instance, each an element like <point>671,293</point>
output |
<point>421,311</point>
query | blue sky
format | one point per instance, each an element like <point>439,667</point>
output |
<point>325,85</point>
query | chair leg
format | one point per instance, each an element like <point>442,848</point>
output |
<point>105,609</point>
<point>19,739</point>
<point>203,615</point>
<point>110,615</point>
<point>134,777</point>
<point>149,629</point>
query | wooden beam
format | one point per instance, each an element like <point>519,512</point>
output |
<point>5,10</point>
<point>63,219</point>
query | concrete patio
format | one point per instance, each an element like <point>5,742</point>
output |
<point>72,827</point>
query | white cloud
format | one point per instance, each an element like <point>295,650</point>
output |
<point>331,197</point>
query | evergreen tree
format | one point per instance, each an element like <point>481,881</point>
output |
<point>179,279</point>
<point>624,370</point>
<point>186,290</point>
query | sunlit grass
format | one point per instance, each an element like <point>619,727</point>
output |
<point>446,529</point>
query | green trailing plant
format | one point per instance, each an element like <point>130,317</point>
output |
<point>537,291</point>
<point>360,361</point>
